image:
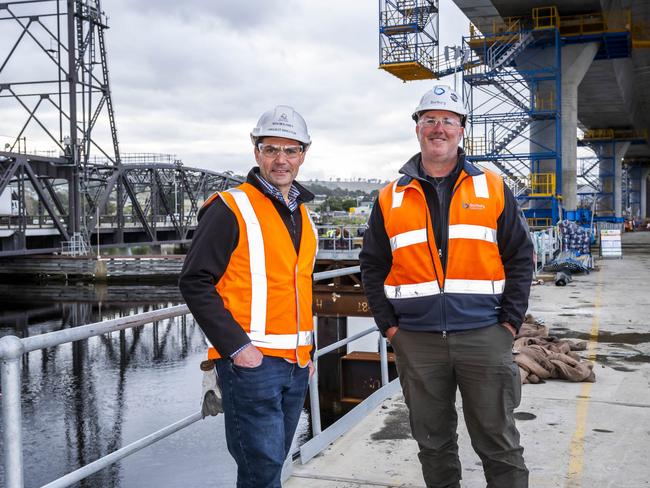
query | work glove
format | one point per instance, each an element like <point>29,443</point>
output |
<point>211,398</point>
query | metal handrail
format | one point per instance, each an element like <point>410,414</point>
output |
<point>340,237</point>
<point>321,439</point>
<point>13,348</point>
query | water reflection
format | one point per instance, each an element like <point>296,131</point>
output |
<point>86,399</point>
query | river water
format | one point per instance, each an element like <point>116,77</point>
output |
<point>81,401</point>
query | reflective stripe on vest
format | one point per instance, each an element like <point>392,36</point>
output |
<point>397,196</point>
<point>283,341</point>
<point>480,186</point>
<point>408,238</point>
<point>257,333</point>
<point>315,231</point>
<point>465,231</point>
<point>412,290</point>
<point>459,231</point>
<point>478,287</point>
<point>257,260</point>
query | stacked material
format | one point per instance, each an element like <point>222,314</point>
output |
<point>542,357</point>
<point>574,237</point>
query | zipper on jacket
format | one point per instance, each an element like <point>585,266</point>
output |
<point>433,263</point>
<point>294,236</point>
<point>453,192</point>
<point>446,257</point>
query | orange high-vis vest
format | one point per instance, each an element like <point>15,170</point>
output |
<point>466,295</point>
<point>267,286</point>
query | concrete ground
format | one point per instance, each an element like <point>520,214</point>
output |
<point>593,435</point>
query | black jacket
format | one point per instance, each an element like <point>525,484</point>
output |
<point>215,238</point>
<point>513,239</point>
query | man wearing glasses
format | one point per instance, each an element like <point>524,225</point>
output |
<point>247,280</point>
<point>447,266</point>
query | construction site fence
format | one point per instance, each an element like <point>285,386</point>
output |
<point>13,349</point>
<point>547,243</point>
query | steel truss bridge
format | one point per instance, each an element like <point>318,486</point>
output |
<point>148,203</point>
<point>83,191</point>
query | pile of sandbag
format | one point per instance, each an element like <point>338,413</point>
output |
<point>542,357</point>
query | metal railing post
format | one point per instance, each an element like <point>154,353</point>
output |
<point>314,402</point>
<point>314,399</point>
<point>383,360</point>
<point>11,352</point>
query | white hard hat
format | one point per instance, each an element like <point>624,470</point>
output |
<point>282,121</point>
<point>441,97</point>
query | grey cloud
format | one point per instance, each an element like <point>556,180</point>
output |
<point>192,77</point>
<point>242,15</point>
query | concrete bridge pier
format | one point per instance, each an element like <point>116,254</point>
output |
<point>576,59</point>
<point>610,156</point>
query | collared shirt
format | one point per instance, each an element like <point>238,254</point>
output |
<point>292,204</point>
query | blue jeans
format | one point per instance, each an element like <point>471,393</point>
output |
<point>262,406</point>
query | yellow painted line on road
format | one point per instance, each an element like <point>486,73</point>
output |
<point>577,448</point>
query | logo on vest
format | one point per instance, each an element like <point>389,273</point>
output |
<point>473,206</point>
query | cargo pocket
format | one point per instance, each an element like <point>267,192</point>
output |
<point>516,385</point>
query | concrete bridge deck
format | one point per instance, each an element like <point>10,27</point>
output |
<point>574,434</point>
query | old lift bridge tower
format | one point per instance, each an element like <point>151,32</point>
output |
<point>56,73</point>
<point>55,93</point>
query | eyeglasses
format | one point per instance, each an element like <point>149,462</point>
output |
<point>273,151</point>
<point>446,122</point>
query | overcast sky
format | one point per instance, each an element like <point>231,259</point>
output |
<point>191,78</point>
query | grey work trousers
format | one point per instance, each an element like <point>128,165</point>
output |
<point>479,362</point>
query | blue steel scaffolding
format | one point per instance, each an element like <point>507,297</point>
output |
<point>514,96</point>
<point>513,83</point>
<point>408,38</point>
<point>605,143</point>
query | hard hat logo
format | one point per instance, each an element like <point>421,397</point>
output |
<point>441,97</point>
<point>281,121</point>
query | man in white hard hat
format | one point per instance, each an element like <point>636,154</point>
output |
<point>247,280</point>
<point>446,267</point>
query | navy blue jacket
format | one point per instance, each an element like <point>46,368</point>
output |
<point>513,239</point>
